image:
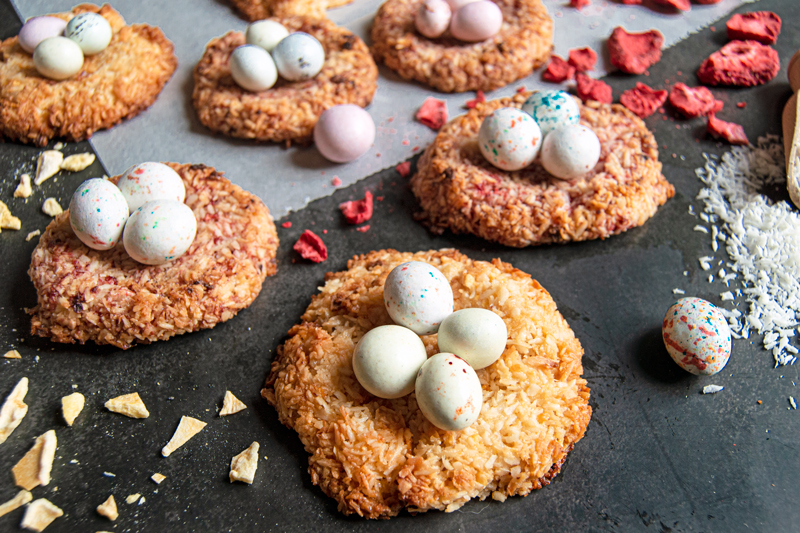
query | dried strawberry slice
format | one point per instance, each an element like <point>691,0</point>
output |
<point>433,113</point>
<point>733,133</point>
<point>578,4</point>
<point>643,100</point>
<point>404,168</point>
<point>479,99</point>
<point>693,102</point>
<point>558,70</point>
<point>311,247</point>
<point>740,63</point>
<point>683,5</point>
<point>582,59</point>
<point>591,89</point>
<point>761,26</point>
<point>357,211</point>
<point>632,2</point>
<point>634,53</point>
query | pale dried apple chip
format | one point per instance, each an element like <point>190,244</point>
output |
<point>244,465</point>
<point>71,406</point>
<point>187,428</point>
<point>129,405</point>
<point>39,515</point>
<point>13,410</point>
<point>231,404</point>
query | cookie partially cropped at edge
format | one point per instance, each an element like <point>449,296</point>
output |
<point>254,10</point>
<point>116,84</point>
<point>378,456</point>
<point>107,297</point>
<point>523,44</point>
<point>459,189</point>
<point>289,110</point>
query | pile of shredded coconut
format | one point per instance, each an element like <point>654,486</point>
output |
<point>762,241</point>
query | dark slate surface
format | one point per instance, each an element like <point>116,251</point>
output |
<point>657,456</point>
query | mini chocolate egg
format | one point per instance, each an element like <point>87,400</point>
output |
<point>97,213</point>
<point>476,335</point>
<point>344,133</point>
<point>265,33</point>
<point>58,58</point>
<point>146,182</point>
<point>299,56</point>
<point>432,18</point>
<point>476,21</point>
<point>569,152</point>
<point>91,31</point>
<point>509,138</point>
<point>159,231</point>
<point>449,392</point>
<point>37,29</point>
<point>252,68</point>
<point>455,5</point>
<point>418,297</point>
<point>386,361</point>
<point>697,336</point>
<point>551,109</point>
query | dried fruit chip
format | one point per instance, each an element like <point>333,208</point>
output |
<point>158,478</point>
<point>579,4</point>
<point>558,70</point>
<point>24,189</point>
<point>433,113</point>
<point>35,466</point>
<point>51,207</point>
<point>683,5</point>
<point>761,26</point>
<point>7,220</point>
<point>40,514</point>
<point>311,247</point>
<point>132,498</point>
<point>108,508</point>
<point>71,406</point>
<point>582,59</point>
<point>31,235</point>
<point>130,405</point>
<point>740,63</point>
<point>16,502</point>
<point>188,427</point>
<point>404,168</point>
<point>693,101</point>
<point>634,53</point>
<point>357,211</point>
<point>591,89</point>
<point>48,165</point>
<point>13,410</point>
<point>12,354</point>
<point>643,100</point>
<point>632,2</point>
<point>231,404</point>
<point>733,133</point>
<point>77,162</point>
<point>479,99</point>
<point>243,466</point>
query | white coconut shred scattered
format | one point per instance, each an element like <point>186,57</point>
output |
<point>761,241</point>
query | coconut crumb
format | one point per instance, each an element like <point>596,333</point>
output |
<point>188,427</point>
<point>13,410</point>
<point>35,466</point>
<point>51,207</point>
<point>12,354</point>
<point>678,291</point>
<point>132,498</point>
<point>158,478</point>
<point>108,508</point>
<point>71,406</point>
<point>712,389</point>
<point>231,404</point>
<point>16,502</point>
<point>77,162</point>
<point>141,500</point>
<point>792,402</point>
<point>31,235</point>
<point>130,405</point>
<point>244,465</point>
<point>48,165</point>
<point>7,220</point>
<point>39,515</point>
<point>24,188</point>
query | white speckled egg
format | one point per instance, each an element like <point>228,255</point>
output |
<point>97,213</point>
<point>509,138</point>
<point>551,109</point>
<point>476,21</point>
<point>697,336</point>
<point>386,361</point>
<point>455,5</point>
<point>90,31</point>
<point>299,56</point>
<point>150,181</point>
<point>418,297</point>
<point>570,152</point>
<point>344,132</point>
<point>37,29</point>
<point>159,231</point>
<point>449,392</point>
<point>252,68</point>
<point>58,58</point>
<point>265,34</point>
<point>476,335</point>
<point>432,18</point>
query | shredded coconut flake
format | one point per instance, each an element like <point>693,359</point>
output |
<point>792,402</point>
<point>712,389</point>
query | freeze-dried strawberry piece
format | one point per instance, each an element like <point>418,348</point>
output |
<point>693,102</point>
<point>707,2</point>
<point>761,26</point>
<point>643,100</point>
<point>479,99</point>
<point>311,247</point>
<point>357,211</point>
<point>558,70</point>
<point>733,133</point>
<point>683,5</point>
<point>433,113</point>
<point>740,63</point>
<point>582,59</point>
<point>404,168</point>
<point>634,53</point>
<point>578,4</point>
<point>591,89</point>
<point>632,2</point>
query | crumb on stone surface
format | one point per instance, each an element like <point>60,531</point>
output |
<point>231,404</point>
<point>188,427</point>
<point>77,162</point>
<point>130,405</point>
<point>71,406</point>
<point>47,165</point>
<point>24,188</point>
<point>13,410</point>
<point>244,465</point>
<point>16,502</point>
<point>51,207</point>
<point>108,508</point>
<point>40,514</point>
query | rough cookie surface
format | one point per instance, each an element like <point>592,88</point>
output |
<point>254,10</point>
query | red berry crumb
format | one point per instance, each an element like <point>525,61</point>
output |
<point>741,105</point>
<point>693,101</point>
<point>634,53</point>
<point>579,4</point>
<point>311,247</point>
<point>733,133</point>
<point>404,168</point>
<point>591,89</point>
<point>558,70</point>
<point>683,5</point>
<point>479,99</point>
<point>336,181</point>
<point>357,211</point>
<point>761,26</point>
<point>582,59</point>
<point>286,224</point>
<point>363,229</point>
<point>643,100</point>
<point>433,113</point>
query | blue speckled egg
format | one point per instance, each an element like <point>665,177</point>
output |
<point>551,109</point>
<point>697,336</point>
<point>418,296</point>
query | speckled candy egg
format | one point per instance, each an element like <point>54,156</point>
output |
<point>159,231</point>
<point>265,34</point>
<point>58,58</point>
<point>386,361</point>
<point>344,133</point>
<point>697,336</point>
<point>432,18</point>
<point>97,213</point>
<point>299,56</point>
<point>150,181</point>
<point>551,109</point>
<point>509,138</point>
<point>38,29</point>
<point>90,31</point>
<point>449,392</point>
<point>418,297</point>
<point>570,152</point>
<point>252,68</point>
<point>476,335</point>
<point>476,21</point>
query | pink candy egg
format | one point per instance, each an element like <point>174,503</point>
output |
<point>433,18</point>
<point>476,21</point>
<point>455,5</point>
<point>38,29</point>
<point>344,133</point>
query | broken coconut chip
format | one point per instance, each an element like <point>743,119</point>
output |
<point>77,162</point>
<point>48,165</point>
<point>31,235</point>
<point>130,405</point>
<point>158,478</point>
<point>791,132</point>
<point>132,498</point>
<point>39,515</point>
<point>16,502</point>
<point>244,465</point>
<point>231,404</point>
<point>35,466</point>
<point>13,410</point>
<point>24,188</point>
<point>7,220</point>
<point>187,428</point>
<point>71,406</point>
<point>51,207</point>
<point>108,508</point>
<point>12,354</point>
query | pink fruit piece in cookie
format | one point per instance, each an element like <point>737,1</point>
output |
<point>479,99</point>
<point>579,4</point>
<point>693,101</point>
<point>740,63</point>
<point>683,5</point>
<point>558,70</point>
<point>761,26</point>
<point>591,89</point>
<point>433,113</point>
<point>643,100</point>
<point>634,53</point>
<point>311,247</point>
<point>357,211</point>
<point>404,168</point>
<point>733,133</point>
<point>582,59</point>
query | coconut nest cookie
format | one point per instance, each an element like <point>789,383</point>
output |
<point>459,189</point>
<point>108,298</point>
<point>522,45</point>
<point>254,10</point>
<point>289,110</point>
<point>377,456</point>
<point>118,83</point>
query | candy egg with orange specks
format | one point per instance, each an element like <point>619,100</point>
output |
<point>697,336</point>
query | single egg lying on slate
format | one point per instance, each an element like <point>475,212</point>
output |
<point>90,31</point>
<point>145,182</point>
<point>509,138</point>
<point>455,5</point>
<point>418,297</point>
<point>58,58</point>
<point>476,335</point>
<point>449,392</point>
<point>697,336</point>
<point>551,109</point>
<point>476,21</point>
<point>252,68</point>
<point>265,34</point>
<point>344,133</point>
<point>37,29</point>
<point>159,231</point>
<point>386,361</point>
<point>299,56</point>
<point>570,152</point>
<point>432,18</point>
<point>97,213</point>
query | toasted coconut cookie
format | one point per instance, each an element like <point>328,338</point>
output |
<point>523,44</point>
<point>108,298</point>
<point>254,10</point>
<point>459,189</point>
<point>377,456</point>
<point>113,85</point>
<point>289,110</point>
